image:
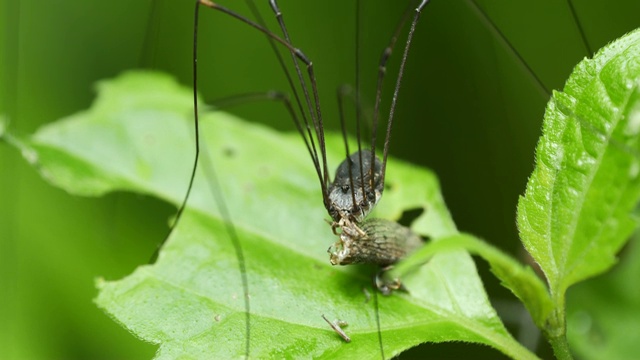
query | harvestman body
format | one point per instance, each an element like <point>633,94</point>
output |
<point>358,187</point>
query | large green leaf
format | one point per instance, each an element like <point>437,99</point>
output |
<point>576,213</point>
<point>137,137</point>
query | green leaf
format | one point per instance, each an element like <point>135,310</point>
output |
<point>138,137</point>
<point>576,212</point>
<point>602,321</point>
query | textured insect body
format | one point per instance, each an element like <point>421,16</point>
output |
<point>382,242</point>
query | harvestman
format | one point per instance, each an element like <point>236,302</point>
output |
<point>359,180</point>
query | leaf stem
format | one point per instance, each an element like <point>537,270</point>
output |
<point>556,329</point>
<point>561,347</point>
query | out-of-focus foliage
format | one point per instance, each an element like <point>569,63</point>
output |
<point>52,245</point>
<point>598,330</point>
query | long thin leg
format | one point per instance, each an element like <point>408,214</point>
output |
<point>292,86</point>
<point>576,20</point>
<point>299,55</point>
<point>394,99</point>
<point>358,115</point>
<point>382,70</point>
<point>343,126</point>
<point>492,26</point>
<point>317,119</point>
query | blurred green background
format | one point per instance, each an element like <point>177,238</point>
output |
<point>468,109</point>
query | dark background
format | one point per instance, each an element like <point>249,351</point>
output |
<point>468,109</point>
